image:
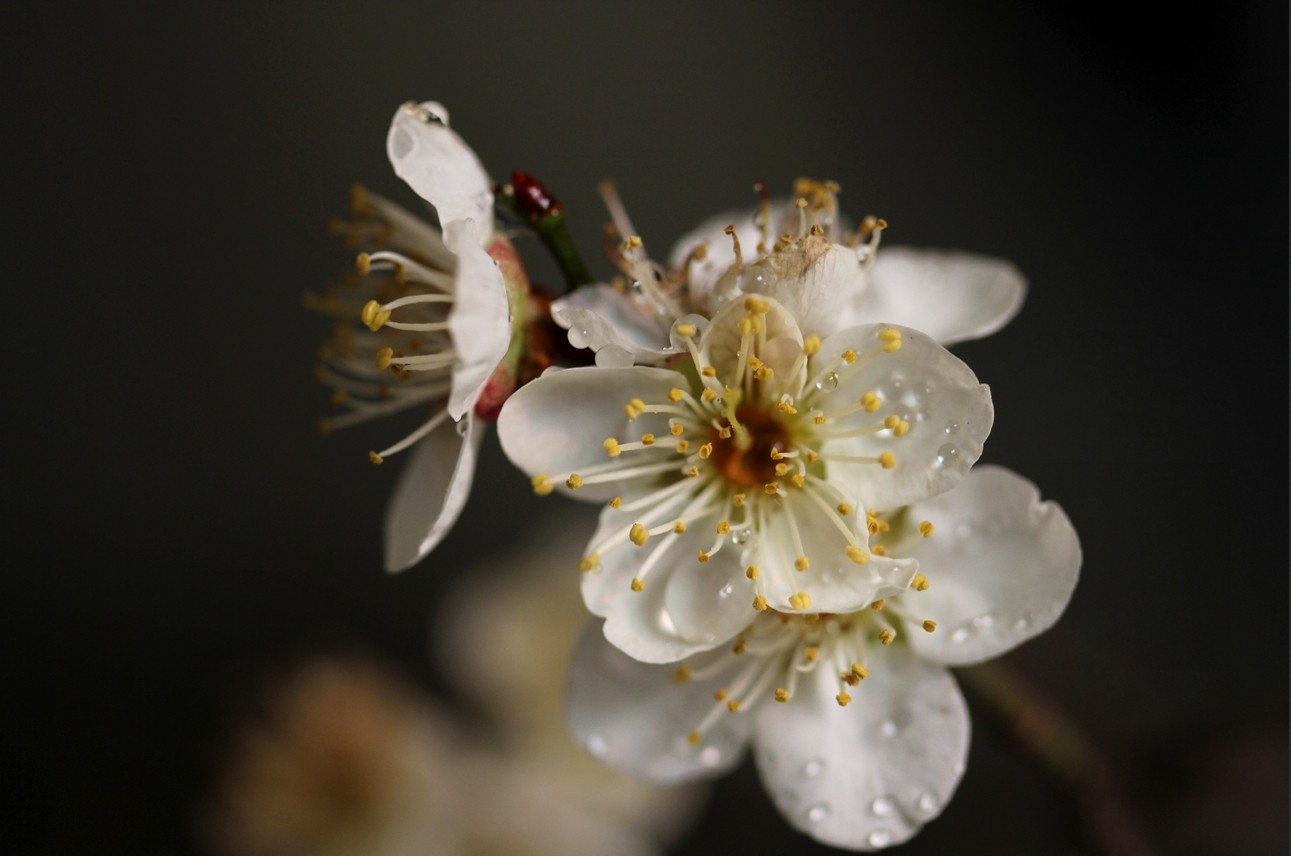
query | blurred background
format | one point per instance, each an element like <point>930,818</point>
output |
<point>181,534</point>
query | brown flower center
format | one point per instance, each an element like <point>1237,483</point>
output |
<point>744,458</point>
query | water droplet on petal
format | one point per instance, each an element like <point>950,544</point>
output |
<point>879,838</point>
<point>883,806</point>
<point>710,756</point>
<point>813,768</point>
<point>888,729</point>
<point>928,803</point>
<point>461,427</point>
<point>959,635</point>
<point>614,357</point>
<point>596,745</point>
<point>984,622</point>
<point>947,456</point>
<point>740,536</point>
<point>818,812</point>
<point>725,591</point>
<point>828,383</point>
<point>952,427</point>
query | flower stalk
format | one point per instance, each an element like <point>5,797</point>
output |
<point>532,202</point>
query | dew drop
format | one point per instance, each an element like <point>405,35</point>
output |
<point>828,382</point>
<point>725,591</point>
<point>710,756</point>
<point>984,622</point>
<point>579,337</point>
<point>947,456</point>
<point>879,838</point>
<point>614,357</point>
<point>959,635</point>
<point>883,806</point>
<point>888,729</point>
<point>818,812</point>
<point>1024,621</point>
<point>461,428</point>
<point>740,536</point>
<point>813,768</point>
<point>928,803</point>
<point>596,745</point>
<point>952,427</point>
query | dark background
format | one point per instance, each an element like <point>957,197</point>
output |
<point>177,525</point>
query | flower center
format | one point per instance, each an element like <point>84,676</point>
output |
<point>747,458</point>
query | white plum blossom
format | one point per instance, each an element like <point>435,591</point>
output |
<point>828,277</point>
<point>858,729</point>
<point>438,312</point>
<point>743,476</point>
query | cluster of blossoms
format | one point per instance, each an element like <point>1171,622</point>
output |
<point>793,545</point>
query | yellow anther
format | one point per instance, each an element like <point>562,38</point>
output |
<point>692,473</point>
<point>781,469</point>
<point>844,508</point>
<point>802,563</point>
<point>886,637</point>
<point>857,555</point>
<point>676,429</point>
<point>798,479</point>
<point>817,229</point>
<point>574,482</point>
<point>756,304</point>
<point>926,528</point>
<point>811,652</point>
<point>638,534</point>
<point>892,346</point>
<point>373,316</point>
<point>630,411</point>
<point>902,429</point>
<point>679,527</point>
<point>786,407</point>
<point>612,447</point>
<point>860,671</point>
<point>800,203</point>
<point>919,583</point>
<point>708,371</point>
<point>849,679</point>
<point>703,557</point>
<point>542,484</point>
<point>682,447</point>
<point>686,330</point>
<point>682,674</point>
<point>363,263</point>
<point>738,500</point>
<point>782,695</point>
<point>647,439</point>
<point>879,550</point>
<point>763,373</point>
<point>615,502</point>
<point>892,421</point>
<point>633,241</point>
<point>739,647</point>
<point>775,454</point>
<point>843,698</point>
<point>760,603</point>
<point>887,460</point>
<point>338,397</point>
<point>638,584</point>
<point>708,394</point>
<point>751,572</point>
<point>375,458</point>
<point>801,600</point>
<point>721,695</point>
<point>871,402</point>
<point>693,738</point>
<point>384,358</point>
<point>724,432</point>
<point>878,605</point>
<point>849,356</point>
<point>675,395</point>
<point>890,334</point>
<point>733,706</point>
<point>590,562</point>
<point>929,625</point>
<point>705,450</point>
<point>723,526</point>
<point>771,488</point>
<point>811,345</point>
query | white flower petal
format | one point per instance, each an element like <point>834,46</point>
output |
<point>480,320</point>
<point>834,582</point>
<point>1001,566</point>
<point>430,493</point>
<point>950,296</point>
<point>685,607</point>
<point>636,716</point>
<point>949,415</point>
<point>601,315</point>
<point>870,774</point>
<point>719,255</point>
<point>441,168</point>
<point>722,341</point>
<point>822,285</point>
<point>559,422</point>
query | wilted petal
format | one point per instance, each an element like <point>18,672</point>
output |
<point>951,296</point>
<point>1001,566</point>
<point>441,168</point>
<point>430,492</point>
<point>480,320</point>
<point>948,412</point>
<point>870,774</point>
<point>637,716</point>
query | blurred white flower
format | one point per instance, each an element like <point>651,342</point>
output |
<point>349,761</point>
<point>859,732</point>
<point>739,478</point>
<point>430,323</point>
<point>800,254</point>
